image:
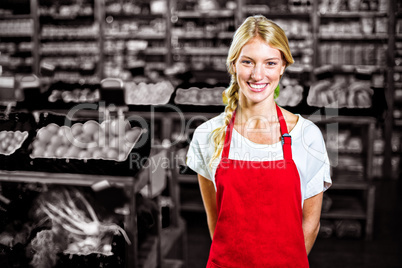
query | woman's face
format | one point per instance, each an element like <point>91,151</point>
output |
<point>258,71</point>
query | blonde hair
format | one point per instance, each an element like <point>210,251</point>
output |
<point>253,26</point>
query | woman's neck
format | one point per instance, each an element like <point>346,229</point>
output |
<point>254,115</point>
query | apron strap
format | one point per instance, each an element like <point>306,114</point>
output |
<point>286,139</point>
<point>228,137</point>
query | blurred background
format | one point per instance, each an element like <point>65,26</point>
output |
<point>164,61</point>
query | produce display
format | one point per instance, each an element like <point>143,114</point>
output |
<point>75,228</point>
<point>76,95</point>
<point>111,140</point>
<point>10,141</point>
<point>199,96</point>
<point>148,94</point>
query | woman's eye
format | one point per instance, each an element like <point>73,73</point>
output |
<point>271,63</point>
<point>246,62</point>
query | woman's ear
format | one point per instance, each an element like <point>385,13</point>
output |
<point>283,67</point>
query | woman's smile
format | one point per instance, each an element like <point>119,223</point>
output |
<point>257,87</point>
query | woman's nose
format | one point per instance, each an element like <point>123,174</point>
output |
<point>258,73</point>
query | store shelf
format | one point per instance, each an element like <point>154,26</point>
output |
<point>172,264</point>
<point>139,16</point>
<point>353,14</point>
<point>283,15</point>
<point>345,184</point>
<point>192,206</point>
<point>156,51</point>
<point>205,35</point>
<point>134,36</point>
<point>15,17</point>
<point>187,178</point>
<point>68,38</point>
<point>345,207</point>
<point>202,51</point>
<point>69,178</point>
<point>223,13</point>
<point>15,35</point>
<point>353,37</point>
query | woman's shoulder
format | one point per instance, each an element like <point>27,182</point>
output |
<point>203,130</point>
<point>308,131</point>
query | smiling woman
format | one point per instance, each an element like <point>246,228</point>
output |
<point>258,76</point>
<point>260,176</point>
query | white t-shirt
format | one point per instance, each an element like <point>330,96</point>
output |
<point>308,150</point>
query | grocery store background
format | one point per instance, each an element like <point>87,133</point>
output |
<point>164,61</point>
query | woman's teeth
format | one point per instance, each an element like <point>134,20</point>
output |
<point>259,86</point>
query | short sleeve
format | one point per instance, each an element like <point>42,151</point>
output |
<point>202,148</point>
<point>195,158</point>
<point>317,162</point>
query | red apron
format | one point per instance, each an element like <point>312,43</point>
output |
<point>259,211</point>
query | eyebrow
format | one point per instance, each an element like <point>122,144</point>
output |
<point>265,59</point>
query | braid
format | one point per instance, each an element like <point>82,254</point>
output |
<point>218,135</point>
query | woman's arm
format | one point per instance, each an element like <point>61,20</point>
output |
<point>311,220</point>
<point>209,198</point>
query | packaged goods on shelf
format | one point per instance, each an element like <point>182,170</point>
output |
<point>84,63</point>
<point>349,163</point>
<point>66,32</point>
<point>348,228</point>
<point>328,6</point>
<point>326,203</point>
<point>326,229</point>
<point>155,28</point>
<point>78,48</point>
<point>378,162</point>
<point>76,96</point>
<point>199,96</point>
<point>148,94</point>
<point>295,28</point>
<point>336,53</point>
<point>66,11</point>
<point>16,27</point>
